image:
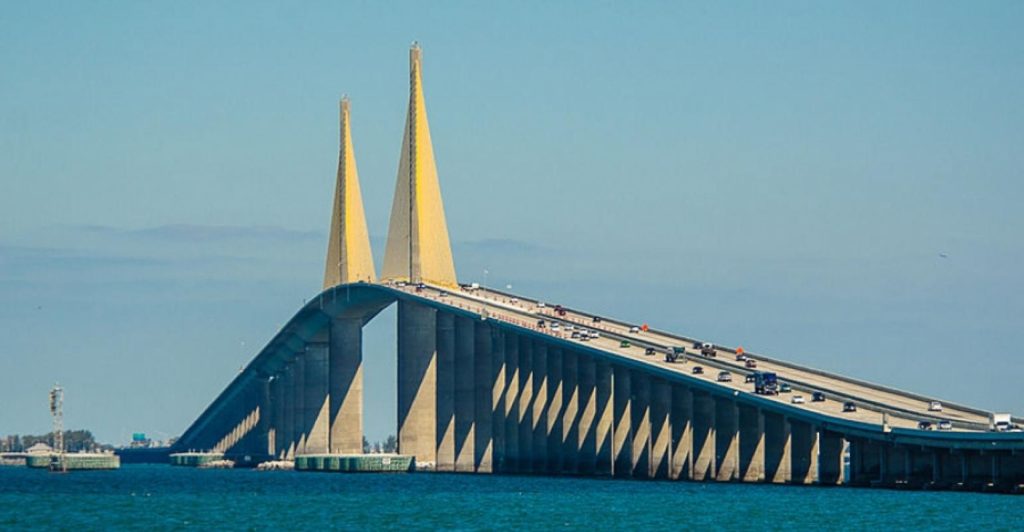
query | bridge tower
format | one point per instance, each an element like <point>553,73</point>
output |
<point>418,249</point>
<point>348,251</point>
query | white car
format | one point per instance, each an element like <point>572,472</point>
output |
<point>797,400</point>
<point>540,304</point>
<point>569,326</point>
<point>514,300</point>
<point>634,329</point>
<point>554,327</point>
<point>595,334</point>
<point>935,406</point>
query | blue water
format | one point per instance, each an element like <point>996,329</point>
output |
<point>162,497</point>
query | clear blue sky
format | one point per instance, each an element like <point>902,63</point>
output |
<point>779,175</point>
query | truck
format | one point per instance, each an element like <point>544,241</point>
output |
<point>766,383</point>
<point>1000,422</point>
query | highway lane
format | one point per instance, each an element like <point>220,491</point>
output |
<point>526,312</point>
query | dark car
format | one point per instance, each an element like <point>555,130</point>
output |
<point>596,319</point>
<point>924,425</point>
<point>541,324</point>
<point>750,363</point>
<point>785,388</point>
<point>420,287</point>
<point>849,406</point>
<point>817,397</point>
<point>749,378</point>
<point>671,356</point>
<point>649,351</point>
<point>697,370</point>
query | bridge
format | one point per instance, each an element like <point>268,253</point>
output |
<point>487,383</point>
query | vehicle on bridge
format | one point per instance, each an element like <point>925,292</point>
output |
<point>924,425</point>
<point>697,370</point>
<point>935,406</point>
<point>724,376</point>
<point>750,363</point>
<point>818,397</point>
<point>750,378</point>
<point>797,400</point>
<point>649,351</point>
<point>849,406</point>
<point>624,344</point>
<point>785,388</point>
<point>708,350</point>
<point>671,355</point>
<point>1001,423</point>
<point>945,424</point>
<point>766,383</point>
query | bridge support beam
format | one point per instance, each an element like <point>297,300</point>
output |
<point>805,452</point>
<point>704,465</point>
<point>299,427</point>
<point>417,381</point>
<point>641,418</point>
<point>751,433</point>
<point>586,443</point>
<point>830,458</point>
<point>681,420</point>
<point>727,445</point>
<point>465,393</point>
<point>277,434</point>
<point>603,418</point>
<point>622,431</point>
<point>554,421</point>
<point>496,400</point>
<point>540,407</point>
<point>264,427</point>
<point>346,386</point>
<point>445,392</point>
<point>661,429</point>
<point>777,448</point>
<point>512,389</point>
<point>570,412</point>
<point>526,387</point>
<point>315,404</point>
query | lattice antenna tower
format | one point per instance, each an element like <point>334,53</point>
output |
<point>57,412</point>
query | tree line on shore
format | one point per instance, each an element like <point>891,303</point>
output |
<point>74,441</point>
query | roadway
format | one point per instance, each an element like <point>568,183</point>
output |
<point>904,410</point>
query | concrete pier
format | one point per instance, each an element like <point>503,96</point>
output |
<point>727,448</point>
<point>622,431</point>
<point>570,413</point>
<point>540,408</point>
<point>465,393</point>
<point>586,425</point>
<point>497,401</point>
<point>704,466</point>
<point>445,392</point>
<point>804,452</point>
<point>661,430</point>
<point>417,381</point>
<point>511,401</point>
<point>830,458</point>
<point>345,368</point>
<point>554,421</point>
<point>526,387</point>
<point>751,434</point>
<point>681,420</point>
<point>483,398</point>
<point>603,418</point>
<point>641,418</point>
<point>315,401</point>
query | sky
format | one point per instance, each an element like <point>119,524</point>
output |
<point>835,184</point>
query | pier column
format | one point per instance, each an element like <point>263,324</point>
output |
<point>484,397</point>
<point>704,466</point>
<point>661,430</point>
<point>526,379</point>
<point>603,417</point>
<point>445,391</point>
<point>417,381</point>
<point>751,444</point>
<point>682,433</point>
<point>587,443</point>
<point>727,447</point>
<point>288,422</point>
<point>830,458</point>
<point>554,422</point>
<point>570,412</point>
<point>346,386</point>
<point>465,393</point>
<point>540,407</point>
<point>497,399</point>
<point>264,427</point>
<point>315,402</point>
<point>805,452</point>
<point>641,418</point>
<point>622,431</point>
<point>777,448</point>
<point>512,389</point>
<point>299,428</point>
<point>278,394</point>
